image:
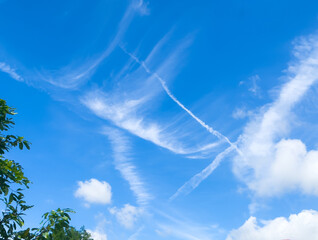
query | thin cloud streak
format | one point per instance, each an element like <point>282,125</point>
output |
<point>169,93</point>
<point>11,71</point>
<point>71,79</point>
<point>124,165</point>
<point>135,235</point>
<point>194,182</point>
<point>182,228</point>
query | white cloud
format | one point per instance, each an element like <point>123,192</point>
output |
<point>296,227</point>
<point>136,234</point>
<point>94,191</point>
<point>99,232</point>
<point>173,98</point>
<point>70,77</point>
<point>240,113</point>
<point>126,216</point>
<point>171,227</point>
<point>123,113</point>
<point>141,7</point>
<point>11,71</point>
<point>271,165</point>
<point>194,182</point>
<point>292,168</point>
<point>254,82</point>
<point>124,165</point>
<point>130,104</point>
<point>96,235</point>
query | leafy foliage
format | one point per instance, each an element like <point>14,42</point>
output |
<point>11,175</point>
<point>55,224</point>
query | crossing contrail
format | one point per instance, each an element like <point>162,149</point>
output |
<point>173,98</point>
<point>199,177</point>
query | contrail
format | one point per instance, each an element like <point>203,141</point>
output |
<point>199,177</point>
<point>169,93</point>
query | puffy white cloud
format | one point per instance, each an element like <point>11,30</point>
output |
<point>272,165</point>
<point>292,168</point>
<point>296,227</point>
<point>96,235</point>
<point>127,215</point>
<point>94,191</point>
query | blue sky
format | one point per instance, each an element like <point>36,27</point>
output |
<point>167,119</point>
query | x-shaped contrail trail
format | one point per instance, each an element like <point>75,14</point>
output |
<point>198,178</point>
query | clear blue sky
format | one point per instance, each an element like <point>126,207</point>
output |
<point>167,119</point>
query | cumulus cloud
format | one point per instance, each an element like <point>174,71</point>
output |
<point>94,191</point>
<point>293,167</point>
<point>96,235</point>
<point>272,165</point>
<point>297,226</point>
<point>127,215</point>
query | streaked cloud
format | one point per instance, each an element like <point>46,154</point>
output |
<point>130,105</point>
<point>123,114</point>
<point>173,98</point>
<point>136,234</point>
<point>181,228</point>
<point>123,163</point>
<point>4,67</point>
<point>71,76</point>
<point>194,182</point>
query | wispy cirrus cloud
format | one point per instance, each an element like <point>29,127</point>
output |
<point>4,67</point>
<point>268,163</point>
<point>71,76</point>
<point>124,115</point>
<point>130,105</point>
<point>173,98</point>
<point>181,228</point>
<point>194,182</point>
<point>136,234</point>
<point>123,163</point>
